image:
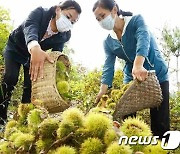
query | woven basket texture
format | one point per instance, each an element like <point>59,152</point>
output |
<point>140,95</point>
<point>44,91</point>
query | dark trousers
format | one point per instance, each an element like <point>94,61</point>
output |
<point>160,121</point>
<point>10,79</point>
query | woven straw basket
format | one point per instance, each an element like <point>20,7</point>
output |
<point>44,92</point>
<point>140,95</point>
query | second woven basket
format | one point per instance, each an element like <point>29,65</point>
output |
<point>44,91</point>
<point>140,95</point>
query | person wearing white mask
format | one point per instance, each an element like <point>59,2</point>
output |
<point>42,30</point>
<point>131,40</point>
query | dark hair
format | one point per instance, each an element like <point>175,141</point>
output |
<point>70,4</point>
<point>109,4</point>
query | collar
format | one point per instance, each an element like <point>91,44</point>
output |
<point>126,20</point>
<point>49,30</point>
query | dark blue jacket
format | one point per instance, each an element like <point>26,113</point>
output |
<point>34,28</point>
<point>136,41</point>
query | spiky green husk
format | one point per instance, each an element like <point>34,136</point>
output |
<point>80,135</point>
<point>103,110</point>
<point>100,110</point>
<point>22,120</point>
<point>65,150</point>
<point>11,124</point>
<point>102,102</point>
<point>73,115</point>
<point>9,131</point>
<point>96,109</point>
<point>154,149</point>
<point>116,94</point>
<point>97,124</point>
<point>23,140</point>
<point>14,135</point>
<point>43,144</point>
<point>47,128</point>
<point>126,86</point>
<point>112,106</point>
<point>61,68</point>
<point>10,128</point>
<point>63,87</point>
<point>91,146</point>
<point>110,136</point>
<point>177,151</point>
<point>60,77</point>
<point>23,128</point>
<point>65,128</point>
<point>23,109</point>
<point>35,117</point>
<point>6,148</point>
<point>115,148</point>
<point>136,127</point>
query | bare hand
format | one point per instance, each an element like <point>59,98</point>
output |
<point>139,73</point>
<point>103,90</point>
<point>98,97</point>
<point>38,56</point>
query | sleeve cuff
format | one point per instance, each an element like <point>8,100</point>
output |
<point>107,83</point>
<point>32,44</point>
<point>141,54</point>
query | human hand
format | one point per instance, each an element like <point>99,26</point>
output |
<point>98,97</point>
<point>103,90</point>
<point>38,56</point>
<point>139,73</point>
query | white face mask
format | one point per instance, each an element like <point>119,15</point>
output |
<point>63,24</point>
<point>108,22</point>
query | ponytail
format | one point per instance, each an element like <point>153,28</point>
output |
<point>124,13</point>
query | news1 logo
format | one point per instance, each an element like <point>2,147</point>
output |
<point>172,143</point>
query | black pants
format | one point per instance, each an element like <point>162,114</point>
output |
<point>160,121</point>
<point>10,79</point>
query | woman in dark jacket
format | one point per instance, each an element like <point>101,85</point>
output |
<point>42,30</point>
<point>131,41</point>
